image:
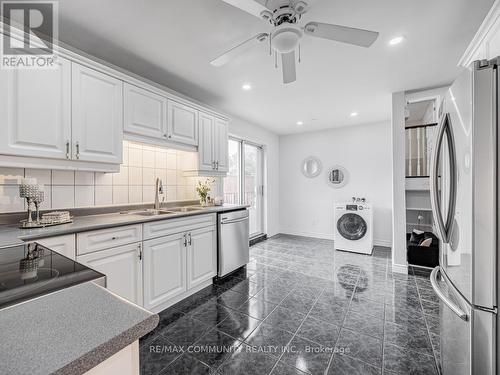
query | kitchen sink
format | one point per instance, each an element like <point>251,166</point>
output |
<point>149,212</point>
<point>185,209</point>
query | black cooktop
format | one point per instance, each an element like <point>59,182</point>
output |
<point>32,270</point>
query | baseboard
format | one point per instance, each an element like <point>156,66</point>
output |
<point>329,236</point>
<point>323,236</point>
<point>380,242</point>
<point>399,268</point>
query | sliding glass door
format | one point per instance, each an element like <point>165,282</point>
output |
<point>244,183</point>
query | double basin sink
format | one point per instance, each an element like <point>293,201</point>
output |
<point>170,211</point>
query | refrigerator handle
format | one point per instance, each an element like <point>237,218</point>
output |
<point>434,183</point>
<point>454,307</point>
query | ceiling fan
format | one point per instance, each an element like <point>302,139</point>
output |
<point>286,33</point>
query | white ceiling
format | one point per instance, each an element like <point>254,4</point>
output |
<point>172,42</point>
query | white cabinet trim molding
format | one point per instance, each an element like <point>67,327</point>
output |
<point>479,47</point>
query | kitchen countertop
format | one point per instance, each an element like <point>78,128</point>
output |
<point>12,235</point>
<point>69,331</point>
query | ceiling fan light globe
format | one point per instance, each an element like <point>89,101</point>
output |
<point>286,37</point>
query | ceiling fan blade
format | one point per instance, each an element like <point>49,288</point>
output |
<point>239,49</point>
<point>249,6</point>
<point>288,66</point>
<point>344,34</point>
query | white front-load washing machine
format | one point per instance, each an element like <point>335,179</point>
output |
<point>354,227</point>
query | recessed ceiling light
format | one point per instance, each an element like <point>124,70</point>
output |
<point>246,86</point>
<point>300,123</point>
<point>354,114</point>
<point>396,40</point>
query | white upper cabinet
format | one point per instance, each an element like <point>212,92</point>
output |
<point>145,113</point>
<point>35,112</point>
<point>206,143</point>
<point>182,126</point>
<point>97,114</point>
<point>212,149</point>
<point>220,145</point>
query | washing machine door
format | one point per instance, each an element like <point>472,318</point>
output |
<point>352,226</point>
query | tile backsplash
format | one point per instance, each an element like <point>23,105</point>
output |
<point>135,183</point>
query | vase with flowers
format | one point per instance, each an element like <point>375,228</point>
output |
<point>203,188</point>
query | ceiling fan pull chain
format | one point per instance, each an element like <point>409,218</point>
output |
<point>300,57</point>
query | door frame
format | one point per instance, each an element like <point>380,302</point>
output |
<point>262,184</point>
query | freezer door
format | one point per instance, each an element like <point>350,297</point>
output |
<point>467,335</point>
<point>463,186</point>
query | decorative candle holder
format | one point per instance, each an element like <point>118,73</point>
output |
<point>38,200</point>
<point>29,190</point>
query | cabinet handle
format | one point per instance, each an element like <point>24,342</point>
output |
<point>213,165</point>
<point>77,150</point>
<point>140,251</point>
<point>67,149</point>
<point>190,239</point>
<point>217,165</point>
<point>185,240</point>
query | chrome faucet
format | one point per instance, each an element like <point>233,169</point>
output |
<point>158,191</point>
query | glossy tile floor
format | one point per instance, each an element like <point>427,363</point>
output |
<point>302,307</point>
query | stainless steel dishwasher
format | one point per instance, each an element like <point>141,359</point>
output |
<point>233,241</point>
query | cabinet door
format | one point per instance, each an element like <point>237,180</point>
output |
<point>220,142</point>
<point>201,256</point>
<point>122,267</point>
<point>97,105</point>
<point>206,143</point>
<point>145,113</point>
<point>35,111</point>
<point>182,123</point>
<point>64,245</point>
<point>164,269</point>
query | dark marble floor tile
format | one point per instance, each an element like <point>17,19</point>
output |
<point>412,337</point>
<point>404,315</point>
<point>211,313</point>
<point>285,319</point>
<point>247,361</point>
<point>331,313</point>
<point>323,333</point>
<point>428,295</point>
<point>430,308</point>
<point>247,287</point>
<point>373,294</point>
<point>185,331</point>
<point>365,348</point>
<point>367,307</point>
<point>404,301</point>
<point>214,347</point>
<point>403,361</point>
<point>157,355</point>
<point>270,338</point>
<point>186,364</point>
<point>298,303</point>
<point>257,308</point>
<point>436,346</point>
<point>231,299</point>
<point>307,356</point>
<point>284,369</point>
<point>365,324</point>
<point>272,295</point>
<point>309,292</point>
<point>238,325</point>
<point>433,324</point>
<point>345,365</point>
<point>336,294</point>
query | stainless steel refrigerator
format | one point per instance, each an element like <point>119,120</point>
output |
<point>464,196</point>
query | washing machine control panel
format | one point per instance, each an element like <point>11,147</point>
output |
<point>351,207</point>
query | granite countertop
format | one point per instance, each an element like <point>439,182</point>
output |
<point>12,235</point>
<point>70,331</point>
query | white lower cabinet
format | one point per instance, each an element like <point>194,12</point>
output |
<point>123,269</point>
<point>201,257</point>
<point>164,269</point>
<point>64,245</point>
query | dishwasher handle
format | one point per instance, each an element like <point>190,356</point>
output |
<point>234,221</point>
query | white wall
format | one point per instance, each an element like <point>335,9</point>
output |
<point>245,130</point>
<point>306,205</point>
